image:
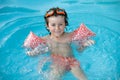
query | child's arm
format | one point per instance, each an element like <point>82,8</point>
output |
<point>38,50</point>
<point>85,44</point>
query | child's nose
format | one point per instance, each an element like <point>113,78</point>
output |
<point>57,27</point>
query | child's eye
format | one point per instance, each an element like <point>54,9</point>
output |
<point>52,24</point>
<point>60,24</point>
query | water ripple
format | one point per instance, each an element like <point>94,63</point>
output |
<point>91,2</point>
<point>19,21</point>
<point>7,37</point>
<point>8,9</point>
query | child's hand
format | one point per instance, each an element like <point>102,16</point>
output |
<point>85,44</point>
<point>30,53</point>
<point>88,43</point>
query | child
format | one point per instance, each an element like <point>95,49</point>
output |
<point>58,42</point>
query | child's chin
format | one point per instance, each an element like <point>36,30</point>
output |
<point>57,36</point>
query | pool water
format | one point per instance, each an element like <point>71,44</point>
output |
<point>99,62</point>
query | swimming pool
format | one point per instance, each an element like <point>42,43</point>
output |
<point>17,18</point>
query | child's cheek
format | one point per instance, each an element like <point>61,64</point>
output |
<point>52,30</point>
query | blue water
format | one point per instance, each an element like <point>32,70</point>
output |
<point>17,18</point>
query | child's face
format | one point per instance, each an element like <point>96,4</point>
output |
<point>56,25</point>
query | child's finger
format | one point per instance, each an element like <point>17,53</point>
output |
<point>86,44</point>
<point>92,42</point>
<point>29,53</point>
<point>89,43</point>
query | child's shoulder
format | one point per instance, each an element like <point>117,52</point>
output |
<point>68,33</point>
<point>68,36</point>
<point>45,37</point>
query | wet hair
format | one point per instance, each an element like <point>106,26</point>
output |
<point>55,14</point>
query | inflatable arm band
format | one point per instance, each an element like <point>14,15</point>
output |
<point>32,41</point>
<point>82,33</point>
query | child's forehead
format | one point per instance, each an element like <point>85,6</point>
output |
<point>59,17</point>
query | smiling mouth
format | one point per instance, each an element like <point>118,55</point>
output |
<point>57,31</point>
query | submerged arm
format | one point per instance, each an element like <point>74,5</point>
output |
<point>85,44</point>
<point>42,48</point>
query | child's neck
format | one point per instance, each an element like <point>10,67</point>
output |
<point>57,38</point>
